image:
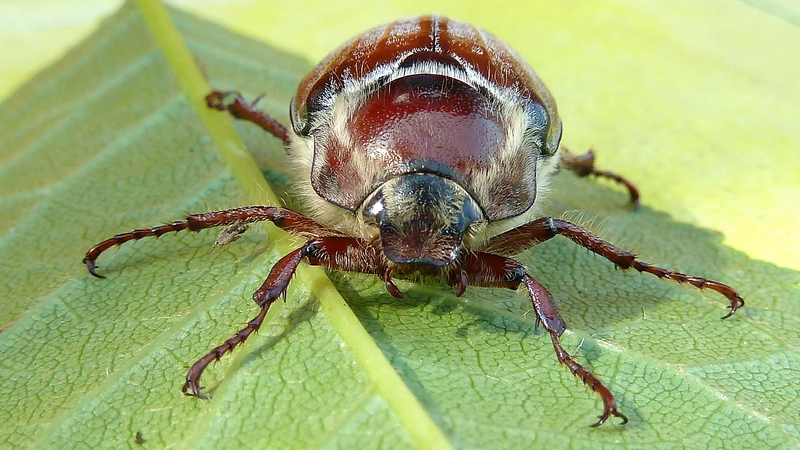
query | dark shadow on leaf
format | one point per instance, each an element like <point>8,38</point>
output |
<point>360,305</point>
<point>300,313</point>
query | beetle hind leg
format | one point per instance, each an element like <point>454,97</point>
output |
<point>238,107</point>
<point>583,166</point>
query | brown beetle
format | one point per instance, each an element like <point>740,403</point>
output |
<point>422,147</point>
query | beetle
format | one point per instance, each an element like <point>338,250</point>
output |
<point>422,148</point>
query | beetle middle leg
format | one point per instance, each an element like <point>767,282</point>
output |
<point>286,219</point>
<point>540,230</point>
<point>486,269</point>
<point>583,166</point>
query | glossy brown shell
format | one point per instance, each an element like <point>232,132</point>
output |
<point>472,132</point>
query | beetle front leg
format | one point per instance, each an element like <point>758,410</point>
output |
<point>339,252</point>
<point>239,107</point>
<point>583,166</point>
<point>192,386</point>
<point>486,269</point>
<point>274,286</point>
<point>543,301</point>
<point>540,230</point>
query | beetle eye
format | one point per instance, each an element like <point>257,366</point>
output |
<point>374,209</point>
<point>471,213</point>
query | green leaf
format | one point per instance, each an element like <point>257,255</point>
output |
<point>114,137</point>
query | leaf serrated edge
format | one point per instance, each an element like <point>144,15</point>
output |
<point>387,383</point>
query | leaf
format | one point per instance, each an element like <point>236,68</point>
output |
<point>108,140</point>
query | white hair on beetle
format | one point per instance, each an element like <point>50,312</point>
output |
<point>339,106</point>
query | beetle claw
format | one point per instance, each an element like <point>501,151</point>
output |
<point>192,389</point>
<point>608,411</point>
<point>91,266</point>
<point>393,289</point>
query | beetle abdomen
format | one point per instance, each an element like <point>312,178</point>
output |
<point>382,50</point>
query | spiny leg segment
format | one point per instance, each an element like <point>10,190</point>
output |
<point>286,219</point>
<point>540,230</point>
<point>238,107</point>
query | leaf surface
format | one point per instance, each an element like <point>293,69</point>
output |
<point>111,139</point>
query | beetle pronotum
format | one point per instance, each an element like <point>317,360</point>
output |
<point>421,148</point>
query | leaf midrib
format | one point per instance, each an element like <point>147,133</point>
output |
<point>381,374</point>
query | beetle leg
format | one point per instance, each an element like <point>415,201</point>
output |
<point>543,304</point>
<point>274,286</point>
<point>486,269</point>
<point>540,230</point>
<point>241,109</point>
<point>583,166</point>
<point>286,219</point>
<point>391,288</point>
<point>339,252</point>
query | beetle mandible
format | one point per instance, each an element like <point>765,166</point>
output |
<point>422,147</point>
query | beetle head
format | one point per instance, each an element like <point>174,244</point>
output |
<point>422,218</point>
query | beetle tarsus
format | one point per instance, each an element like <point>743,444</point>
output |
<point>736,301</point>
<point>592,382</point>
<point>192,389</point>
<point>608,412</point>
<point>91,267</point>
<point>222,101</point>
<point>192,385</point>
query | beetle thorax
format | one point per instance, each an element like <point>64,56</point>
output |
<point>426,96</point>
<point>433,123</point>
